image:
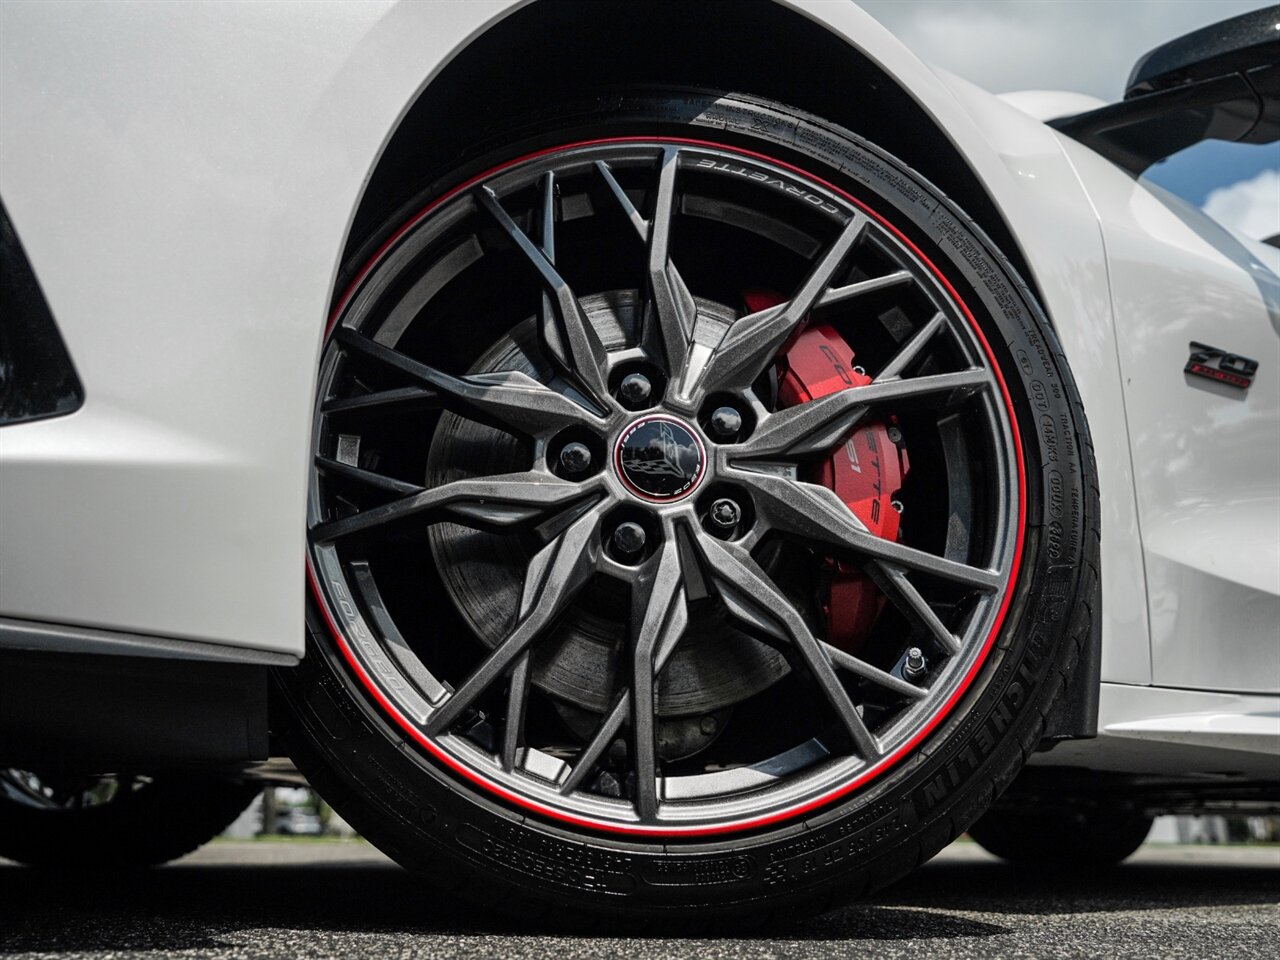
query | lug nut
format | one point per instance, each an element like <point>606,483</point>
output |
<point>915,666</point>
<point>895,435</point>
<point>628,539</point>
<point>575,457</point>
<point>725,514</point>
<point>635,389</point>
<point>726,422</point>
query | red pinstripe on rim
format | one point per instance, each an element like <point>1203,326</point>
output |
<point>866,776</point>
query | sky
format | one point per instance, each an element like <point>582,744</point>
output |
<point>1089,46</point>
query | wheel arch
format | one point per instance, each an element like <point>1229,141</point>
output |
<point>740,46</point>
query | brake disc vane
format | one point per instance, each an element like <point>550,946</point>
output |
<point>866,472</point>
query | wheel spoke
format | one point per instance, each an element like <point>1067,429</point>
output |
<point>813,428</point>
<point>893,581</point>
<point>847,661</point>
<point>977,578</point>
<point>513,729</point>
<point>673,310</point>
<point>750,343</point>
<point>506,399</point>
<point>604,735</point>
<point>750,597</point>
<point>367,477</point>
<point>863,287</point>
<point>567,335</point>
<point>484,503</point>
<point>658,611</point>
<point>383,401</point>
<point>815,514</point>
<point>658,617</point>
<point>638,222</point>
<point>911,349</point>
<point>556,574</point>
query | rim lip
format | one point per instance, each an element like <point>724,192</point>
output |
<point>633,488</point>
<point>863,777</point>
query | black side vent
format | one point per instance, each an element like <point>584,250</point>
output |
<point>37,379</point>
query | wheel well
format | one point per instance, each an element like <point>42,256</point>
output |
<point>549,49</point>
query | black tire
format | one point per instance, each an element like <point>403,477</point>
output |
<point>1088,837</point>
<point>163,819</point>
<point>468,841</point>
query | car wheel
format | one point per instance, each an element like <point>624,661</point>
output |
<point>114,821</point>
<point>702,518</point>
<point>1088,836</point>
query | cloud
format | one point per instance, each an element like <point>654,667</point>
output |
<point>1005,45</point>
<point>1251,207</point>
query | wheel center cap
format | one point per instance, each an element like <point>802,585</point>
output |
<point>659,459</point>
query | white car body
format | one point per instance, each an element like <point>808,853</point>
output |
<point>183,178</point>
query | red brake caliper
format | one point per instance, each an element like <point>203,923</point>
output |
<point>866,471</point>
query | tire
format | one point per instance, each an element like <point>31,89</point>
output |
<point>435,819</point>
<point>161,819</point>
<point>1096,836</point>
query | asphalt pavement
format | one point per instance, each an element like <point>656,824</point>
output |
<point>343,899</point>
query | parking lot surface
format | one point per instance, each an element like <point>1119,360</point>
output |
<point>343,899</point>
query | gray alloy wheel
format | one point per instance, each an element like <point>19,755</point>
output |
<point>602,407</point>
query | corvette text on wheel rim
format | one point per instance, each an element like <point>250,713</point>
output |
<point>661,488</point>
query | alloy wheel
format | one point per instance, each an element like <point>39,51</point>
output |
<point>575,530</point>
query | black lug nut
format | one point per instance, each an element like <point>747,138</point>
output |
<point>575,457</point>
<point>635,389</point>
<point>726,422</point>
<point>725,514</point>
<point>628,539</point>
